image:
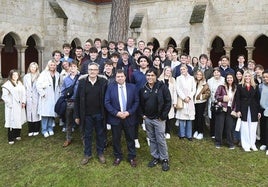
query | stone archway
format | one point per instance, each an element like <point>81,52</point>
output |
<point>9,55</point>
<point>172,42</point>
<point>76,42</point>
<point>217,51</point>
<point>156,45</point>
<point>31,53</point>
<point>238,48</point>
<point>260,54</point>
<point>185,46</point>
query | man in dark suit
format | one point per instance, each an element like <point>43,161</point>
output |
<point>121,102</point>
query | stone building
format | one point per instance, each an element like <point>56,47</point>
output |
<point>31,30</point>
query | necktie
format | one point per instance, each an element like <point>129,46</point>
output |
<point>123,98</point>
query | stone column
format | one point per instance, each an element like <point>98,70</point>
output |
<point>40,56</point>
<point>21,58</point>
<point>179,49</point>
<point>250,50</point>
<point>208,51</point>
<point>1,47</point>
<point>228,50</point>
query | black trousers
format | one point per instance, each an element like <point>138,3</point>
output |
<point>129,131</point>
<point>199,121</point>
<point>169,123</point>
<point>263,127</point>
<point>12,134</point>
<point>212,124</point>
<point>34,126</point>
<point>224,119</point>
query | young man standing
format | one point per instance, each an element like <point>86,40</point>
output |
<point>90,112</point>
<point>155,102</point>
<point>122,102</point>
<point>93,53</point>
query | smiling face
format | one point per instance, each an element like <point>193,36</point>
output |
<point>265,78</point>
<point>151,78</point>
<point>93,70</point>
<point>120,78</point>
<point>15,76</point>
<point>229,79</point>
<point>184,70</point>
<point>199,76</point>
<point>33,68</point>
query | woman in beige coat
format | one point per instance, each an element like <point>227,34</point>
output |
<point>15,98</point>
<point>167,78</point>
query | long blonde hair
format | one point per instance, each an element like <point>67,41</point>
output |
<point>252,82</point>
<point>37,73</point>
<point>49,62</point>
<point>162,76</point>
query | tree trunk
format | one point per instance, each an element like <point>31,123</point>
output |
<point>119,21</point>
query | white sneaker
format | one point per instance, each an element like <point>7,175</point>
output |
<point>30,134</point>
<point>137,144</point>
<point>177,123</point>
<point>35,133</point>
<point>195,134</point>
<point>63,129</point>
<point>263,147</point>
<point>51,133</point>
<point>108,126</point>
<point>267,152</point>
<point>254,148</point>
<point>200,136</point>
<point>46,135</point>
<point>167,135</point>
<point>247,150</point>
<point>143,126</point>
<point>53,124</point>
<point>18,138</point>
<point>148,141</point>
<point>61,123</point>
<point>11,142</point>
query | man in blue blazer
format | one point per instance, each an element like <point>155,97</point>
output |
<point>121,102</point>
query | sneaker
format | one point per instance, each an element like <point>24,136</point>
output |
<point>108,126</point>
<point>247,150</point>
<point>35,133</point>
<point>102,159</point>
<point>195,134</point>
<point>11,142</point>
<point>213,137</point>
<point>153,162</point>
<point>143,126</point>
<point>167,135</point>
<point>148,141</point>
<point>63,129</point>
<point>51,133</point>
<point>254,148</point>
<point>85,160</point>
<point>46,135</point>
<point>30,134</point>
<point>18,138</point>
<point>137,143</point>
<point>61,123</point>
<point>232,147</point>
<point>165,166</point>
<point>200,136</point>
<point>72,129</point>
<point>218,146</point>
<point>177,123</point>
<point>267,152</point>
<point>263,147</point>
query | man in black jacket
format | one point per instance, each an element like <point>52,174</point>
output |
<point>89,111</point>
<point>155,102</point>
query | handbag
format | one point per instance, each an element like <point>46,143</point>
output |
<point>215,107</point>
<point>68,93</point>
<point>179,103</point>
<point>60,106</point>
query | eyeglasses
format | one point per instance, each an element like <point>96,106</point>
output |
<point>93,69</point>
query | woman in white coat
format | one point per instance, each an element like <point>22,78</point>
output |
<point>13,94</point>
<point>49,91</point>
<point>32,98</point>
<point>167,78</point>
<point>186,89</point>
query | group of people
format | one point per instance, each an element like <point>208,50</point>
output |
<point>120,87</point>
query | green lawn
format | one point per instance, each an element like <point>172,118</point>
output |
<point>36,161</point>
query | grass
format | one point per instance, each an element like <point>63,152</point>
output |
<point>36,161</point>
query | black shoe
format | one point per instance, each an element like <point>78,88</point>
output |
<point>190,139</point>
<point>165,166</point>
<point>153,163</point>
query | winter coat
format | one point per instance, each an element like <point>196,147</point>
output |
<point>32,99</point>
<point>213,84</point>
<point>186,88</point>
<point>47,95</point>
<point>202,92</point>
<point>173,93</point>
<point>14,96</point>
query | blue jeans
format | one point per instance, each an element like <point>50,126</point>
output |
<point>91,122</point>
<point>185,129</point>
<point>47,124</point>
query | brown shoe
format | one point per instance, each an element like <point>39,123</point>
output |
<point>116,162</point>
<point>133,162</point>
<point>102,159</point>
<point>85,160</point>
<point>66,143</point>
